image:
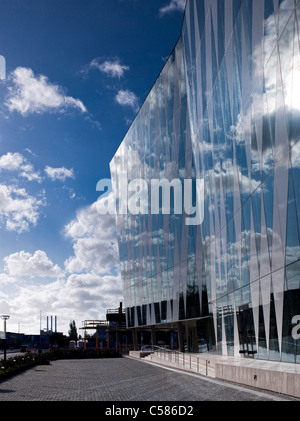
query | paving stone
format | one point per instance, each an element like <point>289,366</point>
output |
<point>113,380</point>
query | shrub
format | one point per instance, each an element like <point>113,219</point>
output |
<point>17,364</point>
<point>20,363</point>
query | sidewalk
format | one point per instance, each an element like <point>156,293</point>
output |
<point>273,376</point>
<point>121,379</point>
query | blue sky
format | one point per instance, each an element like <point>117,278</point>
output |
<point>76,73</point>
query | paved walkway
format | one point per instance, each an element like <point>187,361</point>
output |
<point>122,379</point>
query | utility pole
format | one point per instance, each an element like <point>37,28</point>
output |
<point>40,331</point>
<point>4,318</point>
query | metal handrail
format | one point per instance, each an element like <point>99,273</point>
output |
<point>183,359</point>
<point>154,347</point>
<point>115,311</point>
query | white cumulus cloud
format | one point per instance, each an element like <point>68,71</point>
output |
<point>95,242</point>
<point>173,6</point>
<point>112,68</point>
<point>35,94</point>
<point>60,174</point>
<point>79,297</point>
<point>17,162</point>
<point>126,97</point>
<point>18,210</point>
<point>33,265</point>
<point>89,284</point>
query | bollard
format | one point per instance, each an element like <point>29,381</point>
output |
<point>207,362</point>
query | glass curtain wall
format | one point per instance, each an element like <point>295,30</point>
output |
<point>225,109</point>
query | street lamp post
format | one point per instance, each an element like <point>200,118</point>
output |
<point>4,318</point>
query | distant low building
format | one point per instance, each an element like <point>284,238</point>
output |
<point>13,340</point>
<point>36,341</point>
<point>111,333</point>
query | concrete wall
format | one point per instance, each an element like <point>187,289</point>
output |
<point>273,380</point>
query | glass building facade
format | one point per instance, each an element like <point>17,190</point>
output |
<point>225,109</point>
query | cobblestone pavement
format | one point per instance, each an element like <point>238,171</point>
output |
<point>122,379</point>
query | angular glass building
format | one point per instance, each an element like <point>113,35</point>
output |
<point>225,109</point>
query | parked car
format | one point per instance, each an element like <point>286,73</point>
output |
<point>202,345</point>
<point>147,348</point>
<point>23,348</point>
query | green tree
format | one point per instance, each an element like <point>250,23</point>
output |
<point>73,335</point>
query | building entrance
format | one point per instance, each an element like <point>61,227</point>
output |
<point>246,331</point>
